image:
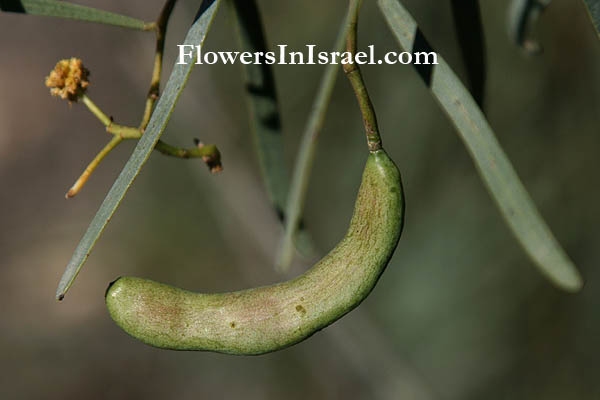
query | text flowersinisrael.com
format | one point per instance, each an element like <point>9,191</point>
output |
<point>193,54</point>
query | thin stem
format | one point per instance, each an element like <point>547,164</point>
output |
<point>353,73</point>
<point>209,153</point>
<point>306,154</point>
<point>149,26</point>
<point>153,93</point>
<point>125,132</point>
<point>105,119</point>
<point>129,132</point>
<point>92,166</point>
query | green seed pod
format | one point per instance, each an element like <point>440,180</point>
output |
<point>270,318</point>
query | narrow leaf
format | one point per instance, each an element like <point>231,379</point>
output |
<point>63,9</point>
<point>471,39</point>
<point>306,154</point>
<point>593,8</point>
<point>160,117</point>
<point>496,170</point>
<point>265,116</point>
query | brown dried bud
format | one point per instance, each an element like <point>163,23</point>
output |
<point>68,79</point>
<point>213,161</point>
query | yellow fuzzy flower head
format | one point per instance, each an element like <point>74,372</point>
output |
<point>68,79</point>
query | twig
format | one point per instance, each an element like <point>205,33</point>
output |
<point>209,154</point>
<point>153,93</point>
<point>306,154</point>
<point>92,166</point>
<point>353,73</point>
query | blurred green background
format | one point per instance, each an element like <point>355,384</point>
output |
<point>460,313</point>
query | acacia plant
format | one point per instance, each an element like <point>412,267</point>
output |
<point>266,319</point>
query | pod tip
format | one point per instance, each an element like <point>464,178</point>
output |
<point>109,286</point>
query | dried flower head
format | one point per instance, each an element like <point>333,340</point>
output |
<point>68,79</point>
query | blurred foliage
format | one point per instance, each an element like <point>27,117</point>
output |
<point>459,314</point>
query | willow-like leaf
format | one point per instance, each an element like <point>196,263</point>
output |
<point>160,117</point>
<point>63,9</point>
<point>306,154</point>
<point>593,8</point>
<point>494,167</point>
<point>265,116</point>
<point>471,40</point>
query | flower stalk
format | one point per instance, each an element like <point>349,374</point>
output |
<point>69,81</point>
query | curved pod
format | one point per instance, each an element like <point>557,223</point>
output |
<point>269,318</point>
